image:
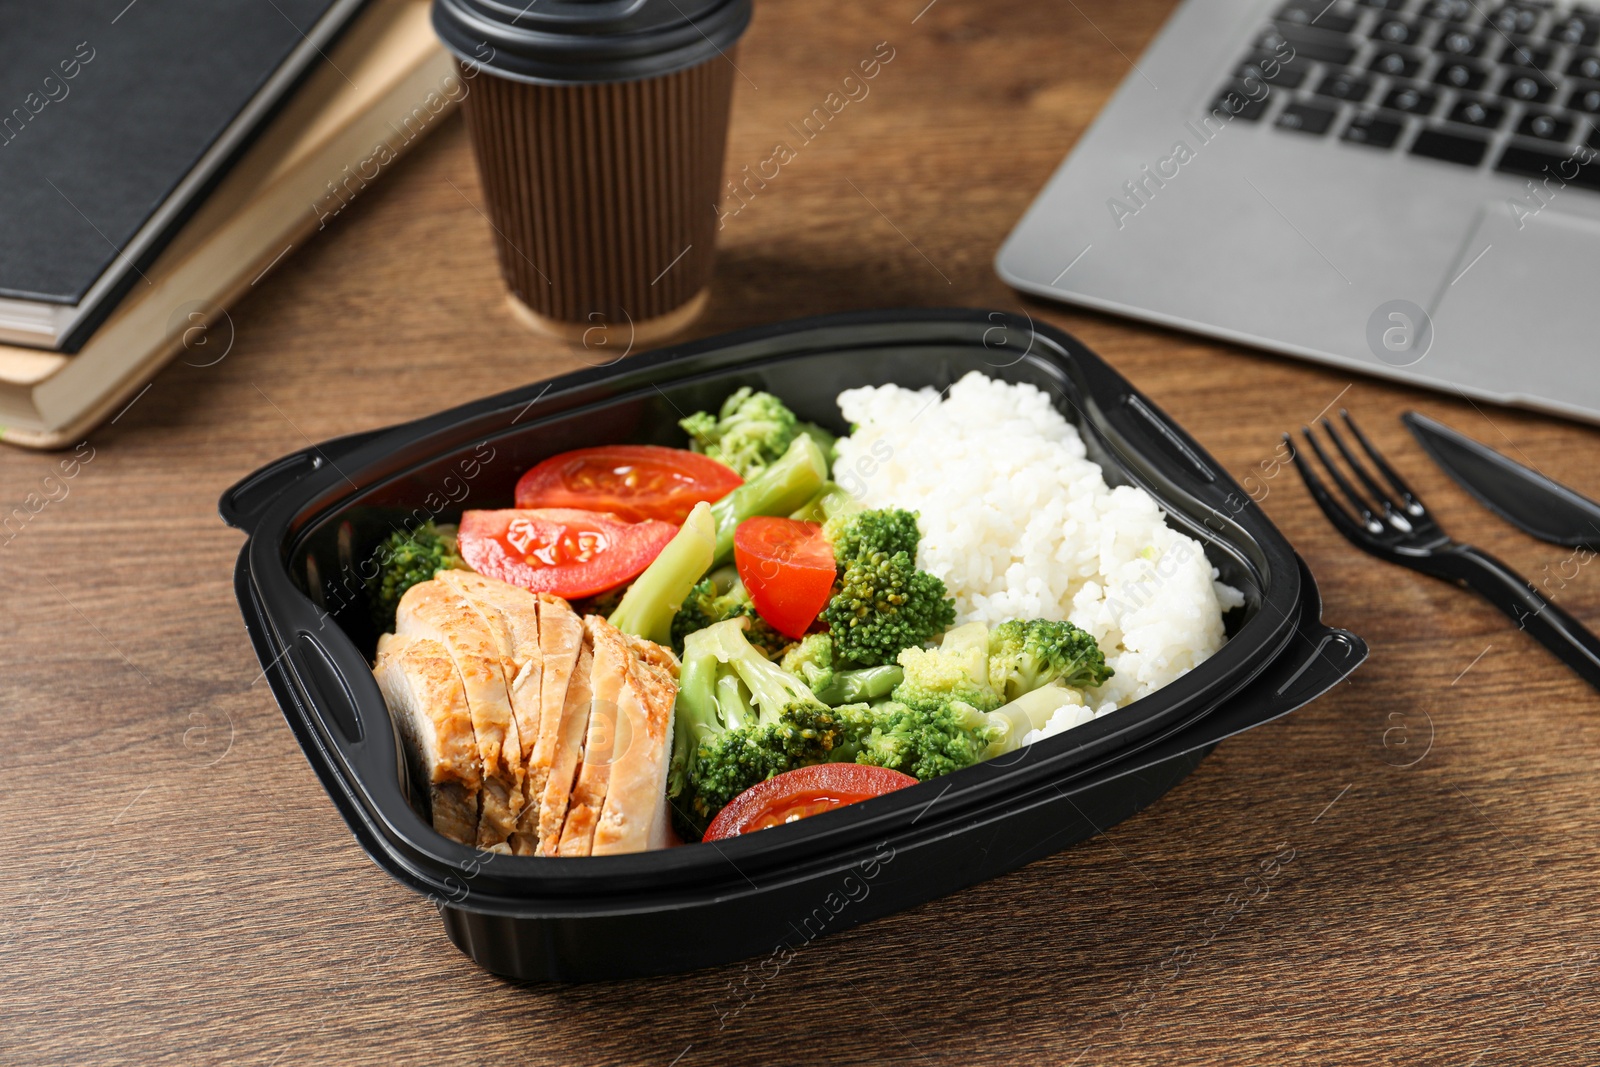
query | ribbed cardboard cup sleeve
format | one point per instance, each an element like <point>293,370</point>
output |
<point>603,196</point>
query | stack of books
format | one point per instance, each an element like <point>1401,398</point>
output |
<point>87,319</point>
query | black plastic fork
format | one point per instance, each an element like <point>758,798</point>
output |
<point>1390,521</point>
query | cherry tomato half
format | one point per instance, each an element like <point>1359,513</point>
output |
<point>565,551</point>
<point>788,567</point>
<point>801,794</point>
<point>632,482</point>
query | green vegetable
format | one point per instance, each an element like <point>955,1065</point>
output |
<point>958,670</point>
<point>778,490</point>
<point>862,683</point>
<point>650,603</point>
<point>923,742</point>
<point>825,440</point>
<point>1024,655</point>
<point>710,602</point>
<point>883,604</point>
<point>986,668</point>
<point>950,711</point>
<point>856,532</point>
<point>812,661</point>
<point>739,720</point>
<point>405,558</point>
<point>833,502</point>
<point>751,431</point>
<point>1010,723</point>
<point>937,738</point>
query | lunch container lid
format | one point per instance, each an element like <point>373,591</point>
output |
<point>313,516</point>
<point>569,42</point>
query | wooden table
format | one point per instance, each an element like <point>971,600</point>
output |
<point>178,889</point>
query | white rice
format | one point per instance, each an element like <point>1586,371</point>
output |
<point>1020,524</point>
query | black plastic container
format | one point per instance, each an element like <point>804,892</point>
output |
<point>314,515</point>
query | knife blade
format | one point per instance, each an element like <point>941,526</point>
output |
<point>1526,499</point>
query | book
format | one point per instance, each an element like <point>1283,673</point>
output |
<point>387,83</point>
<point>113,124</point>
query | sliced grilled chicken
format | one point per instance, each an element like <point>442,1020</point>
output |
<point>433,610</point>
<point>634,816</point>
<point>511,614</point>
<point>612,655</point>
<point>424,694</point>
<point>654,654</point>
<point>568,752</point>
<point>561,639</point>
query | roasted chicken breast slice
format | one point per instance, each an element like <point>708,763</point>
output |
<point>515,626</point>
<point>568,752</point>
<point>433,610</point>
<point>425,696</point>
<point>511,614</point>
<point>634,816</point>
<point>654,654</point>
<point>561,640</point>
<point>609,673</point>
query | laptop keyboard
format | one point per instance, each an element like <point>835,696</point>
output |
<point>1512,86</point>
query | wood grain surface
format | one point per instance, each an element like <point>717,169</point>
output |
<point>177,889</point>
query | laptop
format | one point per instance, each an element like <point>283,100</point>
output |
<point>1405,188</point>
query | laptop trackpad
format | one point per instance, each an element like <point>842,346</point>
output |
<point>1517,315</point>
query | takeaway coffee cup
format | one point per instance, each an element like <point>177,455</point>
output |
<point>599,128</point>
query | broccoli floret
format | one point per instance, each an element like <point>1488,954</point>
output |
<point>709,603</point>
<point>786,485</point>
<point>883,604</point>
<point>648,607</point>
<point>750,432</point>
<point>1024,655</point>
<point>924,742</point>
<point>937,719</point>
<point>937,737</point>
<point>958,670</point>
<point>950,710</point>
<point>739,720</point>
<point>812,661</point>
<point>855,532</point>
<point>703,606</point>
<point>405,558</point>
<point>702,430</point>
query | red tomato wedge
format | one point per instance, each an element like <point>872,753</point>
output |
<point>632,482</point>
<point>801,794</point>
<point>564,551</point>
<point>788,567</point>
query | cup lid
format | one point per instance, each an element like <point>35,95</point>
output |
<point>563,42</point>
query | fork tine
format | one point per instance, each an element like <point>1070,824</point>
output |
<point>1413,503</point>
<point>1379,494</point>
<point>1368,516</point>
<point>1352,530</point>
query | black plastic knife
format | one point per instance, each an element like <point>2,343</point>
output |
<point>1525,498</point>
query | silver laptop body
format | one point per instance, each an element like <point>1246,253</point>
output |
<point>1451,243</point>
